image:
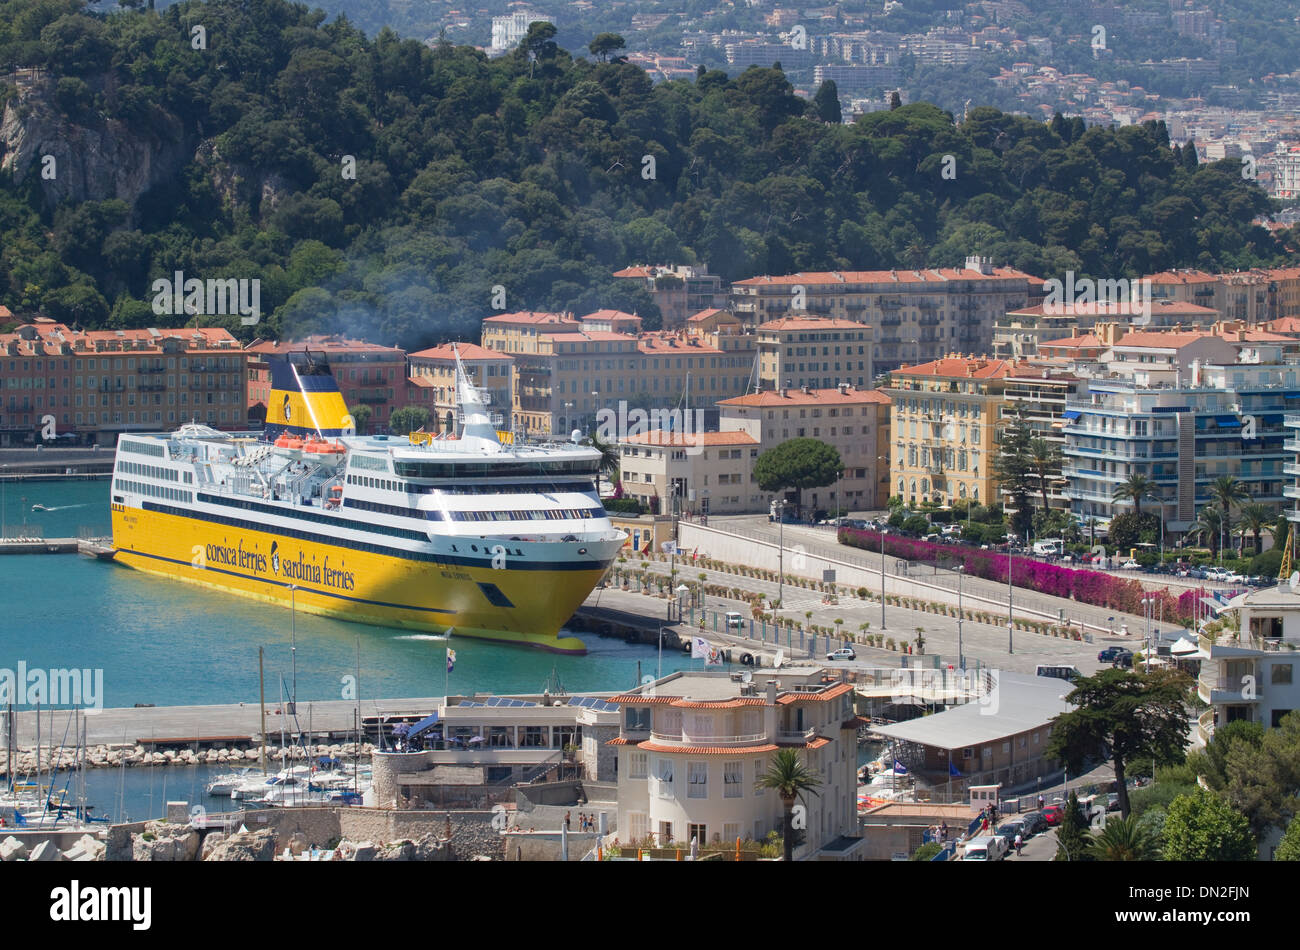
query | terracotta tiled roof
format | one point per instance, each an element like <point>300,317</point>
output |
<point>1154,339</point>
<point>899,276</point>
<point>529,316</point>
<point>812,323</point>
<point>660,437</point>
<point>468,352</point>
<point>708,749</point>
<point>720,704</point>
<point>610,315</point>
<point>634,272</point>
<point>669,344</point>
<point>839,689</point>
<point>958,367</point>
<point>1084,342</point>
<point>1285,325</point>
<point>704,315</point>
<point>1183,277</point>
<point>797,397</point>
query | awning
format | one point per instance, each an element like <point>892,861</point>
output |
<point>423,726</point>
<point>1228,421</point>
<point>1072,413</point>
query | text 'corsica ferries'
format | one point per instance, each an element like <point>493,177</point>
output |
<point>430,532</point>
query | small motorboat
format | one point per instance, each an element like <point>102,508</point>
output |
<point>40,508</point>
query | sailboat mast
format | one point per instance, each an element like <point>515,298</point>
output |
<point>261,686</point>
<point>356,759</point>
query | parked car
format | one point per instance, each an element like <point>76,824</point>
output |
<point>987,848</point>
<point>1110,654</point>
<point>1008,830</point>
<point>1130,566</point>
<point>1112,801</point>
<point>843,653</point>
<point>735,620</point>
<point>1052,814</point>
<point>1124,661</point>
<point>1035,823</point>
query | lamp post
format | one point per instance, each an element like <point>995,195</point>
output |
<point>883,532</point>
<point>682,591</point>
<point>293,648</point>
<point>1011,648</point>
<point>567,418</point>
<point>780,552</point>
<point>961,658</point>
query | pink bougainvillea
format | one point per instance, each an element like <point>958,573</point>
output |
<point>1084,586</point>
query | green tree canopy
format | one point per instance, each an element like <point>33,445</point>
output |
<point>1124,715</point>
<point>408,419</point>
<point>1203,826</point>
<point>798,464</point>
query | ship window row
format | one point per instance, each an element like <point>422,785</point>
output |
<point>305,513</point>
<point>154,491</point>
<point>382,483</point>
<point>150,471</point>
<point>285,532</point>
<point>141,448</point>
<point>392,509</point>
<point>507,489</point>
<point>495,469</point>
<point>551,514</point>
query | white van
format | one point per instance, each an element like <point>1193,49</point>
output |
<point>734,620</point>
<point>988,848</point>
<point>1049,547</point>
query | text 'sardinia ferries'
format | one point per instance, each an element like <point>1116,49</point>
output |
<point>429,532</point>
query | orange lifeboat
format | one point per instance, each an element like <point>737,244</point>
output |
<point>294,443</point>
<point>283,441</point>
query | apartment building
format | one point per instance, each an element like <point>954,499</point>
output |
<point>1254,296</point>
<point>696,473</point>
<point>693,745</point>
<point>368,374</point>
<point>856,422</point>
<point>678,290</point>
<point>508,30</point>
<point>94,384</point>
<point>1182,434</point>
<point>1021,332</point>
<point>566,373</point>
<point>431,382</point>
<point>1037,392</point>
<point>917,315</point>
<point>943,426</point>
<point>807,351</point>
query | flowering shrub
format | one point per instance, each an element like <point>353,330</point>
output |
<point>1087,587</point>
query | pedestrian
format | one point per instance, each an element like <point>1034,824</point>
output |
<point>1020,843</point>
<point>984,823</point>
<point>1040,802</point>
<point>943,830</point>
<point>566,821</point>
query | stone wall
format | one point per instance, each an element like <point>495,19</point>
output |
<point>545,846</point>
<point>599,758</point>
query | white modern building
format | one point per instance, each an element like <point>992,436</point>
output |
<point>692,747</point>
<point>508,30</point>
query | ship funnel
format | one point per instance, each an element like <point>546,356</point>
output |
<point>476,423</point>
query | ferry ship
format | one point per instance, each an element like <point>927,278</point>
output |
<point>463,533</point>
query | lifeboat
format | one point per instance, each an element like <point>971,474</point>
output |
<point>283,441</point>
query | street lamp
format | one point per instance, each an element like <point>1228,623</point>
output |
<point>883,532</point>
<point>567,407</point>
<point>1010,625</point>
<point>780,552</point>
<point>961,659</point>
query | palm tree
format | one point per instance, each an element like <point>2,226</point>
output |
<point>609,457</point>
<point>791,779</point>
<point>1228,491</point>
<point>1207,528</point>
<point>1123,839</point>
<point>1044,459</point>
<point>1135,488</point>
<point>1255,518</point>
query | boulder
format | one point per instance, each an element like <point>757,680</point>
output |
<point>429,848</point>
<point>86,848</point>
<point>210,843</point>
<point>298,843</point>
<point>12,849</point>
<point>45,851</point>
<point>397,851</point>
<point>364,851</point>
<point>245,846</point>
<point>166,841</point>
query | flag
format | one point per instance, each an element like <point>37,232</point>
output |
<point>714,657</point>
<point>451,659</point>
<point>899,768</point>
<point>953,771</point>
<point>699,649</point>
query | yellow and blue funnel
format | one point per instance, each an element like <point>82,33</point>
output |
<point>305,400</point>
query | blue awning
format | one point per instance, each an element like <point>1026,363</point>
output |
<point>1072,413</point>
<point>1228,421</point>
<point>423,726</point>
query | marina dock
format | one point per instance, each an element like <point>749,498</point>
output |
<point>91,547</point>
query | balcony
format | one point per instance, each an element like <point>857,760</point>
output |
<point>1205,725</point>
<point>807,735</point>
<point>686,739</point>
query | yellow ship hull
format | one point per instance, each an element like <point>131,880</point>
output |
<point>356,585</point>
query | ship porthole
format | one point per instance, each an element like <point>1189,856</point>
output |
<point>582,550</point>
<point>473,547</point>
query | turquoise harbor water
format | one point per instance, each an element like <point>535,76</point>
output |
<point>164,642</point>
